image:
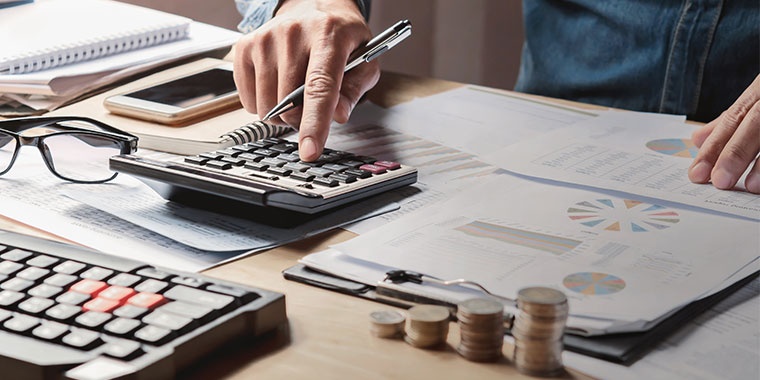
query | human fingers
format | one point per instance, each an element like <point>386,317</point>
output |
<point>292,62</point>
<point>714,139</point>
<point>739,152</point>
<point>243,73</point>
<point>355,83</point>
<point>752,182</point>
<point>265,57</point>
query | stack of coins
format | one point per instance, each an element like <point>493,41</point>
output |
<point>538,330</point>
<point>427,325</point>
<point>481,325</point>
<point>386,324</point>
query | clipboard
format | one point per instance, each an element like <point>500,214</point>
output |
<point>624,348</point>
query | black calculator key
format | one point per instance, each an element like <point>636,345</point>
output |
<point>290,157</point>
<point>335,167</point>
<point>297,166</point>
<point>196,160</point>
<point>351,163</point>
<point>302,176</point>
<point>319,172</point>
<point>234,161</point>
<point>358,173</point>
<point>326,182</point>
<point>343,178</point>
<point>284,147</point>
<point>211,155</point>
<point>258,166</point>
<point>273,161</point>
<point>280,171</point>
<point>228,153</point>
<point>265,152</point>
<point>248,157</point>
<point>221,165</point>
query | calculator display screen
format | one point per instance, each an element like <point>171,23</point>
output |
<point>190,90</point>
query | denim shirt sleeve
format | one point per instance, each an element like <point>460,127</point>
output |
<point>256,12</point>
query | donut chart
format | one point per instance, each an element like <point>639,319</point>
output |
<point>618,215</point>
<point>593,283</point>
<point>674,147</point>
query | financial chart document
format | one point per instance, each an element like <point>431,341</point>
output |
<point>624,152</point>
<point>610,253</point>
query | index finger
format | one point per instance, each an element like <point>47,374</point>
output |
<point>322,89</point>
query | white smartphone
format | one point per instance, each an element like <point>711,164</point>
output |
<point>195,96</point>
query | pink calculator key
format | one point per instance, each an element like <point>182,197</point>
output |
<point>390,165</point>
<point>374,169</point>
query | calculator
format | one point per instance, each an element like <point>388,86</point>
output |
<point>267,173</point>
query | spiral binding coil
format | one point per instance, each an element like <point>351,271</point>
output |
<point>93,48</point>
<point>254,131</point>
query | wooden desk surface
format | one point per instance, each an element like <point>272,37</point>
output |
<point>327,335</point>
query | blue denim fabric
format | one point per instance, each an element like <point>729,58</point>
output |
<point>691,57</point>
<point>257,12</point>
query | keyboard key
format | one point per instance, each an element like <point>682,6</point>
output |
<point>189,281</point>
<point>35,305</point>
<point>60,279</point>
<point>73,298</point>
<point>154,334</point>
<point>154,273</point>
<point>50,330</point>
<point>124,279</point>
<point>21,323</point>
<point>243,295</point>
<point>117,293</point>
<point>147,300</point>
<point>82,339</point>
<point>17,255</point>
<point>199,297</point>
<point>151,286</point>
<point>8,298</point>
<point>89,287</point>
<point>69,267</point>
<point>42,261</point>
<point>123,349</point>
<point>63,312</point>
<point>187,310</point>
<point>96,273</point>
<point>45,291</point>
<point>92,319</point>
<point>32,273</point>
<point>121,326</point>
<point>99,304</point>
<point>9,267</point>
<point>130,311</point>
<point>169,321</point>
<point>16,284</point>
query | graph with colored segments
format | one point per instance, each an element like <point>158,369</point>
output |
<point>593,283</point>
<point>548,243</point>
<point>674,147</point>
<point>622,215</point>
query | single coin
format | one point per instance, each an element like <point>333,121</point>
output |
<point>428,313</point>
<point>479,306</point>
<point>386,317</point>
<point>541,295</point>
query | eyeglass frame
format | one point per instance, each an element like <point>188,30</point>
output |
<point>127,142</point>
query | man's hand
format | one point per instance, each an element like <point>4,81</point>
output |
<point>730,144</point>
<point>307,42</point>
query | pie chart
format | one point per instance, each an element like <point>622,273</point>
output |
<point>622,215</point>
<point>674,147</point>
<point>593,283</point>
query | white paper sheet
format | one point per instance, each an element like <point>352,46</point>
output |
<point>609,254</point>
<point>721,344</point>
<point>623,152</point>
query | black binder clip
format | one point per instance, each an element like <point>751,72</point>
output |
<point>398,276</point>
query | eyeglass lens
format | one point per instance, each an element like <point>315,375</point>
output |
<point>81,156</point>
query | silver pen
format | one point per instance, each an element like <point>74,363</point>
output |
<point>373,49</point>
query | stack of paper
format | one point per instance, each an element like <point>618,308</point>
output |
<point>99,53</point>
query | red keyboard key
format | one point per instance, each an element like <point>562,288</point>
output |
<point>374,169</point>
<point>146,300</point>
<point>103,305</point>
<point>390,165</point>
<point>117,293</point>
<point>88,286</point>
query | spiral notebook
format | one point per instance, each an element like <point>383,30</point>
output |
<point>50,33</point>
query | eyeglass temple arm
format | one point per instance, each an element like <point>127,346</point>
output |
<point>22,124</point>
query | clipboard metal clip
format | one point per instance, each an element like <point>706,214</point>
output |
<point>398,276</point>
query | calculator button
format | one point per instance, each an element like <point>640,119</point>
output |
<point>374,169</point>
<point>297,166</point>
<point>390,165</point>
<point>265,152</point>
<point>302,176</point>
<point>343,178</point>
<point>335,167</point>
<point>187,310</point>
<point>196,160</point>
<point>189,281</point>
<point>167,320</point>
<point>153,335</point>
<point>250,157</point>
<point>234,161</point>
<point>257,166</point>
<point>358,173</point>
<point>211,156</point>
<point>290,157</point>
<point>319,172</point>
<point>117,293</point>
<point>280,171</point>
<point>325,182</point>
<point>35,305</point>
<point>130,311</point>
<point>221,165</point>
<point>284,147</point>
<point>228,152</point>
<point>121,326</point>
<point>272,161</point>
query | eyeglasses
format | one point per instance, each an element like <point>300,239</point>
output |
<point>74,148</point>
